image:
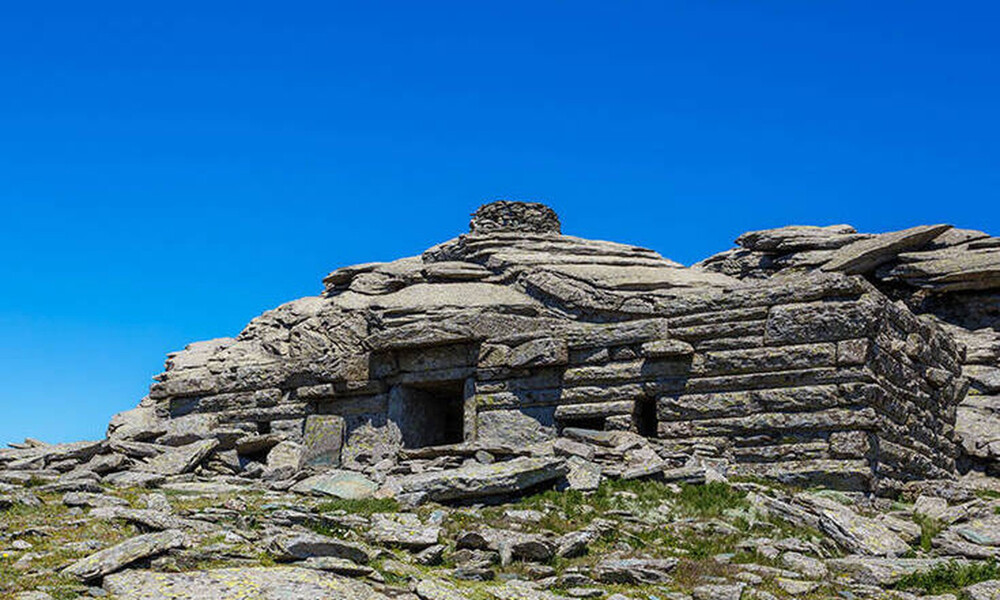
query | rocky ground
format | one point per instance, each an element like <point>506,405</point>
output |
<point>592,515</point>
<point>621,408</point>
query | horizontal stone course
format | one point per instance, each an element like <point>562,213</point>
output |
<point>512,333</point>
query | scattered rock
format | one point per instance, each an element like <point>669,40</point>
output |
<point>634,571</point>
<point>276,583</point>
<point>339,484</point>
<point>307,545</point>
<point>121,555</point>
<point>475,481</point>
<point>402,529</point>
<point>180,460</point>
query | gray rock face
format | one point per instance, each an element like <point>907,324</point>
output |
<point>530,217</point>
<point>308,545</point>
<point>882,571</point>
<point>430,589</point>
<point>635,571</point>
<point>277,583</point>
<point>951,276</point>
<point>986,590</point>
<point>404,530</point>
<point>865,255</point>
<point>778,358</point>
<point>853,531</point>
<point>180,460</point>
<point>339,484</point>
<point>475,481</point>
<point>121,555</point>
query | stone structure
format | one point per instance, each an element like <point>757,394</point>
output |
<point>950,277</point>
<point>789,358</point>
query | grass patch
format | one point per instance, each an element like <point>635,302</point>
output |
<point>570,510</point>
<point>949,577</point>
<point>988,494</point>
<point>929,528</point>
<point>49,528</point>
<point>710,500</point>
<point>363,506</point>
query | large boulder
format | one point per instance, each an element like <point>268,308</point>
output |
<point>475,481</point>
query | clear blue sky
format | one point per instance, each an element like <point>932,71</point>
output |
<point>170,170</point>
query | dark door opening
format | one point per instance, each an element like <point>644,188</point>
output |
<point>645,417</point>
<point>429,414</point>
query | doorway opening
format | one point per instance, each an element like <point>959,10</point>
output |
<point>645,417</point>
<point>429,414</point>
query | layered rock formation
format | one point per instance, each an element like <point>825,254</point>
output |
<point>947,276</point>
<point>689,414</point>
<point>788,358</point>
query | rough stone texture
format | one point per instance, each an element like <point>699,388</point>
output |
<point>986,590</point>
<point>635,570</point>
<point>180,460</point>
<point>948,276</point>
<point>882,571</point>
<point>308,545</point>
<point>798,356</point>
<point>853,531</point>
<point>475,481</point>
<point>277,583</point>
<point>121,555</point>
<point>339,484</point>
<point>404,530</point>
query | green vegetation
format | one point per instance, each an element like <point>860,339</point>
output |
<point>949,577</point>
<point>51,529</point>
<point>365,506</point>
<point>988,494</point>
<point>929,528</point>
<point>710,500</point>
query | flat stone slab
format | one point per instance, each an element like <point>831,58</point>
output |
<point>865,255</point>
<point>855,532</point>
<point>987,590</point>
<point>121,555</point>
<point>432,589</point>
<point>871,570</point>
<point>309,545</point>
<point>404,530</point>
<point>179,460</point>
<point>635,571</point>
<point>339,566</point>
<point>126,479</point>
<point>276,583</point>
<point>984,531</point>
<point>476,481</point>
<point>207,488</point>
<point>339,484</point>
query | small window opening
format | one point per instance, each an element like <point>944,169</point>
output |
<point>263,427</point>
<point>597,423</point>
<point>429,414</point>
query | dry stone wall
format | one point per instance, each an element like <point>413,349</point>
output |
<point>508,335</point>
<point>946,275</point>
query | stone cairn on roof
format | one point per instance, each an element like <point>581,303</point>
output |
<point>505,215</point>
<point>515,358</point>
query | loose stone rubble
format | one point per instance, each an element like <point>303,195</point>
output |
<point>519,413</point>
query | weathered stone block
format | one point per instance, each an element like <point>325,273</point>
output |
<point>322,440</point>
<point>825,321</point>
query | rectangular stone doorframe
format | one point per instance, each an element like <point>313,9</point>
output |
<point>429,413</point>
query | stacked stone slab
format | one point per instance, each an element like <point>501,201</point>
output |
<point>950,276</point>
<point>507,335</point>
